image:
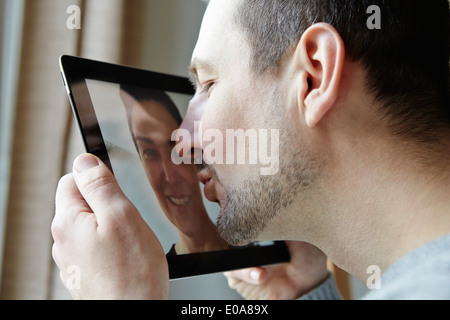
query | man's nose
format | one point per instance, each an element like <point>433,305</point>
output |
<point>192,125</point>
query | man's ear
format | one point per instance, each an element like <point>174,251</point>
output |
<point>319,59</point>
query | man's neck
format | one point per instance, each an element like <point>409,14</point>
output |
<point>383,206</point>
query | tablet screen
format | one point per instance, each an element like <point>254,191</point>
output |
<point>130,126</point>
<point>137,126</point>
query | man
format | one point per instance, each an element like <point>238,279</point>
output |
<point>364,146</point>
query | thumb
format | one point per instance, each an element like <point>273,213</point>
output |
<point>100,189</point>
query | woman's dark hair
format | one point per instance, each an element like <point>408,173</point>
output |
<point>142,94</point>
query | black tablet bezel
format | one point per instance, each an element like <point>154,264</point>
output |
<point>74,72</point>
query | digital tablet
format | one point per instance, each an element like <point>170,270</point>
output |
<point>126,117</point>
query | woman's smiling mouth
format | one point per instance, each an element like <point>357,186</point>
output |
<point>180,201</point>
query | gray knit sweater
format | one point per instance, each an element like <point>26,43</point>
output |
<point>424,273</point>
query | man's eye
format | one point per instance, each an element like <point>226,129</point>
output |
<point>206,89</point>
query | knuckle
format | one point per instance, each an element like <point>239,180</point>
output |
<point>93,181</point>
<point>232,282</point>
<point>98,183</point>
<point>54,252</point>
<point>63,184</point>
<point>56,255</point>
<point>65,179</point>
<point>57,229</point>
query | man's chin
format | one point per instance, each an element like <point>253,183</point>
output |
<point>235,231</point>
<point>234,240</point>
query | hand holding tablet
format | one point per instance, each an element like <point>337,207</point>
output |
<point>102,247</point>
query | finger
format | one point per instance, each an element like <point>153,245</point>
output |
<point>250,275</point>
<point>69,204</point>
<point>55,255</point>
<point>99,188</point>
<point>68,197</point>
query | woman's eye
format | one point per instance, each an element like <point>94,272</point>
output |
<point>150,154</point>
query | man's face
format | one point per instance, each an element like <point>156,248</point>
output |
<point>229,96</point>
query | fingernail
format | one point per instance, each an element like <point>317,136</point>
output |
<point>255,275</point>
<point>84,163</point>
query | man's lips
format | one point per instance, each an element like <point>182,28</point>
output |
<point>209,190</point>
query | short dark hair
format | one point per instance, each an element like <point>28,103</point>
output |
<point>407,60</point>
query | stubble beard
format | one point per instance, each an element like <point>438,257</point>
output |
<point>251,206</point>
